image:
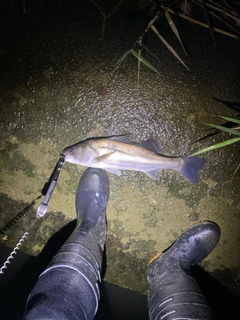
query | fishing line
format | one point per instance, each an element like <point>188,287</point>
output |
<point>17,247</point>
<point>47,191</point>
<point>22,213</point>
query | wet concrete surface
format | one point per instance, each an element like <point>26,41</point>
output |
<point>48,101</point>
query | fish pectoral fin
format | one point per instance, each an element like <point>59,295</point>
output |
<point>113,170</point>
<point>109,169</point>
<point>104,156</point>
<point>153,174</point>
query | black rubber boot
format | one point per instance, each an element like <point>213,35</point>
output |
<point>69,287</point>
<point>173,293</point>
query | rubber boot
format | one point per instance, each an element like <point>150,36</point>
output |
<point>69,287</point>
<point>174,294</point>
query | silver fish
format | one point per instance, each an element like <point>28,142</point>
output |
<point>118,153</point>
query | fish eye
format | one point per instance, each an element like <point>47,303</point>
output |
<point>72,151</point>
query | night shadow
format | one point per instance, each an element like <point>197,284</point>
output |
<point>229,104</point>
<point>116,303</point>
<point>22,273</point>
<point>223,302</point>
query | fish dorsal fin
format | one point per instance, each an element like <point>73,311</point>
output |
<point>149,144</point>
<point>152,145</point>
<point>125,138</point>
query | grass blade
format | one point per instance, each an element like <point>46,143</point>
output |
<point>168,46</point>
<point>174,29</point>
<point>139,62</point>
<point>236,170</point>
<point>231,119</point>
<point>222,128</point>
<point>218,145</point>
<point>120,60</point>
<point>144,61</point>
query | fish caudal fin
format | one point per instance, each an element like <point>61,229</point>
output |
<point>190,168</point>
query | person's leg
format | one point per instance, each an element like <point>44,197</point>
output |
<point>174,294</point>
<point>69,287</point>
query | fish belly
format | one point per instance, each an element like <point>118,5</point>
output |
<point>117,161</point>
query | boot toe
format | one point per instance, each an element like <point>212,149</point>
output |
<point>206,236</point>
<point>94,180</point>
<point>197,242</point>
<point>92,194</point>
<point>190,248</point>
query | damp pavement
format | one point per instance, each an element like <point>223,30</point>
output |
<point>49,59</point>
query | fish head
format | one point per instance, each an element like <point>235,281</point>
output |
<point>79,153</point>
<point>75,154</point>
<point>70,154</point>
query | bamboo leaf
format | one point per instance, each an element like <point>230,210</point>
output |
<point>218,145</point>
<point>222,128</point>
<point>200,22</point>
<point>231,119</point>
<point>224,11</point>
<point>174,29</point>
<point>209,22</point>
<point>118,5</point>
<point>168,46</point>
<point>144,61</point>
<point>120,60</point>
<point>152,21</point>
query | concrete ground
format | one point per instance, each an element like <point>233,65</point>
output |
<point>48,101</point>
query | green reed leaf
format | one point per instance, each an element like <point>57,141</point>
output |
<point>121,59</point>
<point>231,119</point>
<point>222,128</point>
<point>148,64</point>
<point>218,145</point>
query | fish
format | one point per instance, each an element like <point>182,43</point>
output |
<point>116,153</point>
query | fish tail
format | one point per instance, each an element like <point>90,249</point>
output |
<point>190,168</point>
